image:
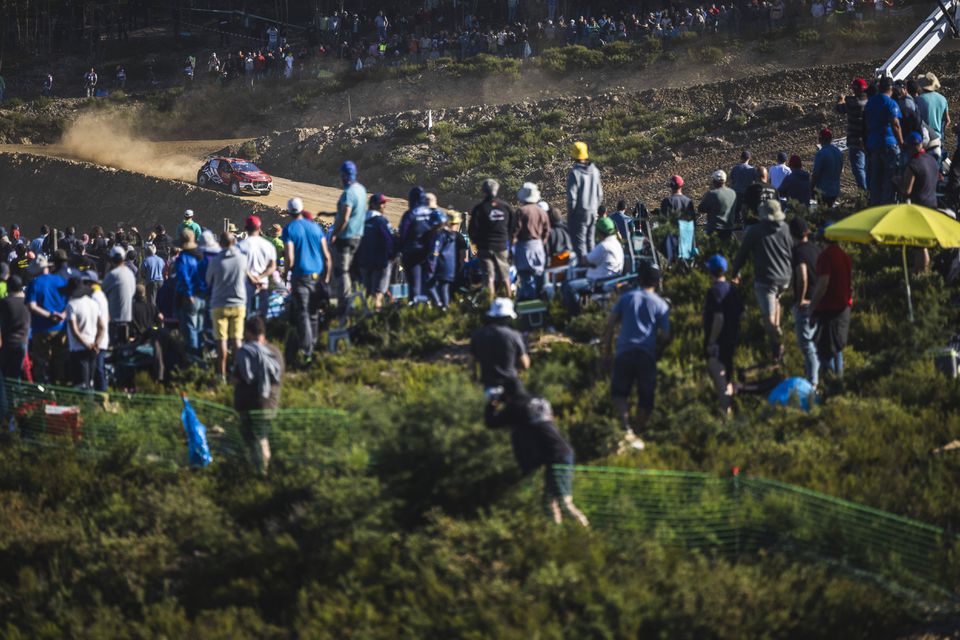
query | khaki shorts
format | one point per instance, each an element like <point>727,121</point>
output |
<point>228,322</point>
<point>496,264</point>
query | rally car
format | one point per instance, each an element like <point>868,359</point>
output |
<point>239,176</point>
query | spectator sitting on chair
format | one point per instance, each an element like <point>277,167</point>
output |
<point>606,258</point>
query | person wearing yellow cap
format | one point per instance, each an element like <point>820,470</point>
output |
<point>584,196</point>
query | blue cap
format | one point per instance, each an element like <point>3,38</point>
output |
<point>437,217</point>
<point>717,263</point>
<point>915,137</point>
<point>349,169</point>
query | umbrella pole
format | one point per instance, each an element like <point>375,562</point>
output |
<point>906,279</point>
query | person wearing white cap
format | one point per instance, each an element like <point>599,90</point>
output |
<point>307,260</point>
<point>719,204</point>
<point>188,223</point>
<point>530,233</point>
<point>498,349</point>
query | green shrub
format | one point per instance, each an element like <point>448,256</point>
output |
<point>300,101</point>
<point>710,55</point>
<point>806,37</point>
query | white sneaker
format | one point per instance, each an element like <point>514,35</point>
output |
<point>630,441</point>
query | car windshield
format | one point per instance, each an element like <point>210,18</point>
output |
<point>244,166</point>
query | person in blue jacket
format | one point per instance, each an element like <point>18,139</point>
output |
<point>375,254</point>
<point>415,240</point>
<point>446,265</point>
<point>191,270</point>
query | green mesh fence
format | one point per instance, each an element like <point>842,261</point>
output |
<point>46,415</point>
<point>738,515</point>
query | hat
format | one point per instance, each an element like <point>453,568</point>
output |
<point>379,198</point>
<point>771,210</point>
<point>929,82</point>
<point>117,252</point>
<point>90,275</point>
<point>579,151</point>
<point>349,170</point>
<point>781,157</point>
<point>295,205</point>
<point>252,223</point>
<point>188,240</point>
<point>916,137</point>
<point>208,241</point>
<point>719,175</point>
<point>676,181</point>
<point>795,162</point>
<point>859,83</point>
<point>276,229</point>
<point>606,226</point>
<point>454,217</point>
<point>437,218</point>
<point>150,248</point>
<point>826,134</point>
<point>798,227</point>
<point>717,264</point>
<point>529,193</point>
<point>188,213</point>
<point>543,204</point>
<point>232,228</point>
<point>502,308</point>
<point>74,288</point>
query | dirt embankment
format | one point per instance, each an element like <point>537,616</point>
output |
<point>35,190</point>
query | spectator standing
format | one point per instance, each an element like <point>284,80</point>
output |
<point>119,285</point>
<point>85,328</point>
<point>227,277</point>
<point>347,229</point>
<point>741,177</point>
<point>559,243</point>
<point>152,272</point>
<point>537,443</point>
<point>444,260</point>
<point>191,287</point>
<point>933,106</point>
<point>853,107</point>
<point>721,330</point>
<point>779,171</point>
<point>827,169</point>
<point>676,204</point>
<point>530,233</point>
<point>162,241</point>
<point>91,279</point>
<point>919,182</point>
<point>832,301</point>
<point>415,239</point>
<point>490,228</point>
<point>884,140</point>
<point>258,375</point>
<point>497,349</point>
<point>376,251</point>
<point>189,223</point>
<point>90,83</point>
<point>14,329</point>
<point>307,260</point>
<point>798,185</point>
<point>261,264</point>
<point>48,340</point>
<point>719,204</point>
<point>759,191</point>
<point>770,245</point>
<point>644,317</point>
<point>584,197</point>
<point>804,261</point>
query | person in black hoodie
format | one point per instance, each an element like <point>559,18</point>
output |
<point>537,443</point>
<point>559,244</point>
<point>415,241</point>
<point>491,223</point>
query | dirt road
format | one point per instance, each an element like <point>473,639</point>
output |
<point>179,160</point>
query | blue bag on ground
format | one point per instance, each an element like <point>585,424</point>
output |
<point>198,451</point>
<point>799,388</point>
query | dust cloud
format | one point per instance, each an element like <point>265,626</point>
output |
<point>111,141</point>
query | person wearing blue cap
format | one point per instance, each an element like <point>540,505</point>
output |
<point>347,229</point>
<point>920,175</point>
<point>721,330</point>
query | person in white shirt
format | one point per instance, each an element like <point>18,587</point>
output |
<point>91,279</point>
<point>606,258</point>
<point>779,171</point>
<point>261,264</point>
<point>84,331</point>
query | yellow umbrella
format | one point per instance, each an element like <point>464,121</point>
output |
<point>907,225</point>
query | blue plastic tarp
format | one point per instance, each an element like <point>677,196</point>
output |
<point>198,451</point>
<point>793,390</point>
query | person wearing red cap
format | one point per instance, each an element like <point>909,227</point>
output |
<point>676,204</point>
<point>852,106</point>
<point>261,264</point>
<point>827,169</point>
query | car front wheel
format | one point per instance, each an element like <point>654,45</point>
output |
<point>202,180</point>
<point>235,188</point>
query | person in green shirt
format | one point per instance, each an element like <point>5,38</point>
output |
<point>4,276</point>
<point>188,223</point>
